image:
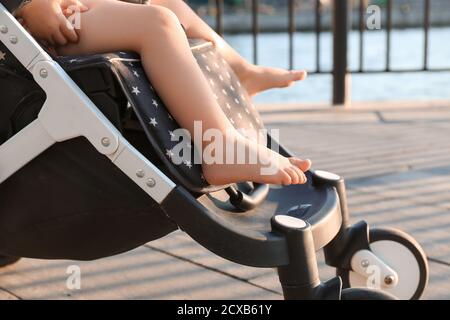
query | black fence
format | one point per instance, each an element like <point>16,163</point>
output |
<point>341,23</point>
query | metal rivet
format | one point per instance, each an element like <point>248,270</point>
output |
<point>106,142</point>
<point>140,173</point>
<point>13,39</point>
<point>3,29</point>
<point>151,182</point>
<point>43,73</point>
<point>389,279</point>
<point>365,263</point>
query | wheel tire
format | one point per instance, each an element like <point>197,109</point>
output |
<point>381,235</point>
<point>365,294</point>
<point>7,260</point>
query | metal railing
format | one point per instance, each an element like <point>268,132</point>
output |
<point>388,68</point>
<point>340,27</point>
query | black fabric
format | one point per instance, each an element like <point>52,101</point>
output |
<point>19,97</point>
<point>11,5</point>
<point>71,203</point>
<point>8,63</point>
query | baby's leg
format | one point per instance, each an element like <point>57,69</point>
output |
<point>197,28</point>
<point>156,34</point>
<point>254,78</point>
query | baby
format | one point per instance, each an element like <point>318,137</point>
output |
<point>155,31</point>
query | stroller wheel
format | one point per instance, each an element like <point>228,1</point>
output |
<point>365,294</point>
<point>400,253</point>
<point>7,260</point>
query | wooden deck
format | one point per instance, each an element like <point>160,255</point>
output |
<point>396,160</point>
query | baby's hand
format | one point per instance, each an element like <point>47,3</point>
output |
<point>46,21</point>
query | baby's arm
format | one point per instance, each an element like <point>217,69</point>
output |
<point>46,21</point>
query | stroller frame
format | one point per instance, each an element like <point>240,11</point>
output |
<point>291,244</point>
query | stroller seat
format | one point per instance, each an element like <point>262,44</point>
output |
<point>155,118</point>
<point>90,144</point>
<point>306,202</point>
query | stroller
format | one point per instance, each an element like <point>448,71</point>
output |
<point>86,172</point>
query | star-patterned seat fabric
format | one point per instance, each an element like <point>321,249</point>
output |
<point>177,153</point>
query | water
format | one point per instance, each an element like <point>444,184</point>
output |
<point>406,53</point>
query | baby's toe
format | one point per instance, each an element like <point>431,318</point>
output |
<point>301,176</point>
<point>298,75</point>
<point>295,179</point>
<point>285,178</point>
<point>303,165</point>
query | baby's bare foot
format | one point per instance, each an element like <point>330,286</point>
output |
<point>269,167</point>
<point>256,78</point>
